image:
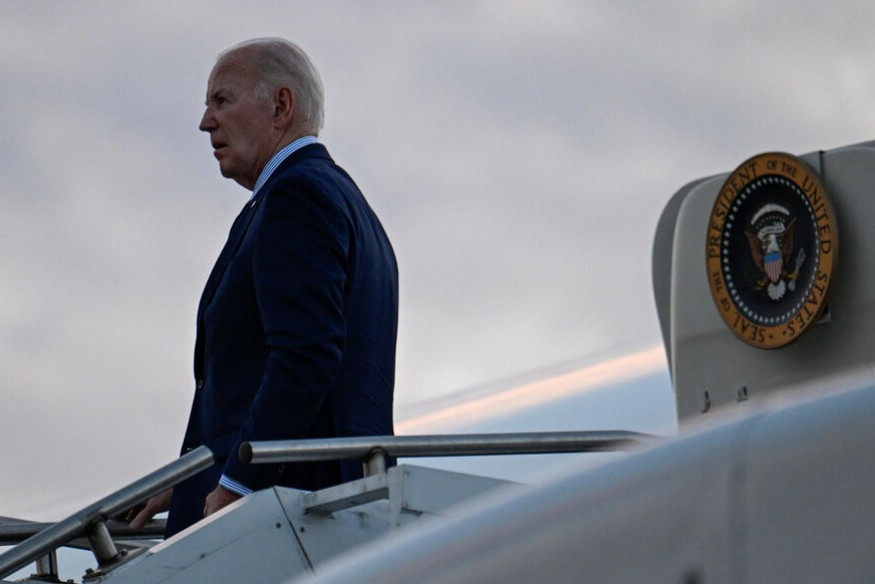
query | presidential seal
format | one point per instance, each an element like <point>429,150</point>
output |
<point>771,249</point>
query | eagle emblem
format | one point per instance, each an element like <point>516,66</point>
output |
<point>771,240</point>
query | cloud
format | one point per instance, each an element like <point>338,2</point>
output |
<point>519,155</point>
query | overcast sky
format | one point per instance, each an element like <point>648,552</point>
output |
<point>518,154</point>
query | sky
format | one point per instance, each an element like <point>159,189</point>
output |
<point>518,154</point>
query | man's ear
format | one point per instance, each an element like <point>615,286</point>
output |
<point>284,106</point>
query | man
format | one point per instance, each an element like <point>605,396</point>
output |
<point>297,324</point>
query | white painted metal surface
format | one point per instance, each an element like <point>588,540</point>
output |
<point>278,533</point>
<point>704,355</point>
<point>782,494</point>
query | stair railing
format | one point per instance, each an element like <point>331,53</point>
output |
<point>90,522</point>
<point>374,450</point>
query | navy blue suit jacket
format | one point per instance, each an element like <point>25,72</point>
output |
<point>296,332</point>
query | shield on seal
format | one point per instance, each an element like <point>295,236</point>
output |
<point>774,264</point>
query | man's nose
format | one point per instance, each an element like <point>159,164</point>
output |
<point>208,121</point>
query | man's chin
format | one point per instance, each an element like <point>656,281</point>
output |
<point>227,171</point>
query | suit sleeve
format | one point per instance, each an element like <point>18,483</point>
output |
<point>300,272</point>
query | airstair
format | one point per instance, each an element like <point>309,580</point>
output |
<point>280,533</point>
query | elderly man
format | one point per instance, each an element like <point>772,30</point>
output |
<point>297,324</point>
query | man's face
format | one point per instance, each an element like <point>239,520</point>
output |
<point>239,123</point>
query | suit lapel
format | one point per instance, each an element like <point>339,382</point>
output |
<point>235,237</point>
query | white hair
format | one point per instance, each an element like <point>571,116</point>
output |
<point>281,63</point>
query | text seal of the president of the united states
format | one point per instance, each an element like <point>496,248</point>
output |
<point>771,249</point>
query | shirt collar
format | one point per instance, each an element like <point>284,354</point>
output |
<point>278,159</point>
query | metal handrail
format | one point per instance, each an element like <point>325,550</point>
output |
<point>372,450</point>
<point>367,448</point>
<point>89,522</point>
<point>15,532</point>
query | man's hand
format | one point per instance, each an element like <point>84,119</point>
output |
<point>219,498</point>
<point>157,504</point>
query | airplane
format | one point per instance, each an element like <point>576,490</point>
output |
<point>761,284</point>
